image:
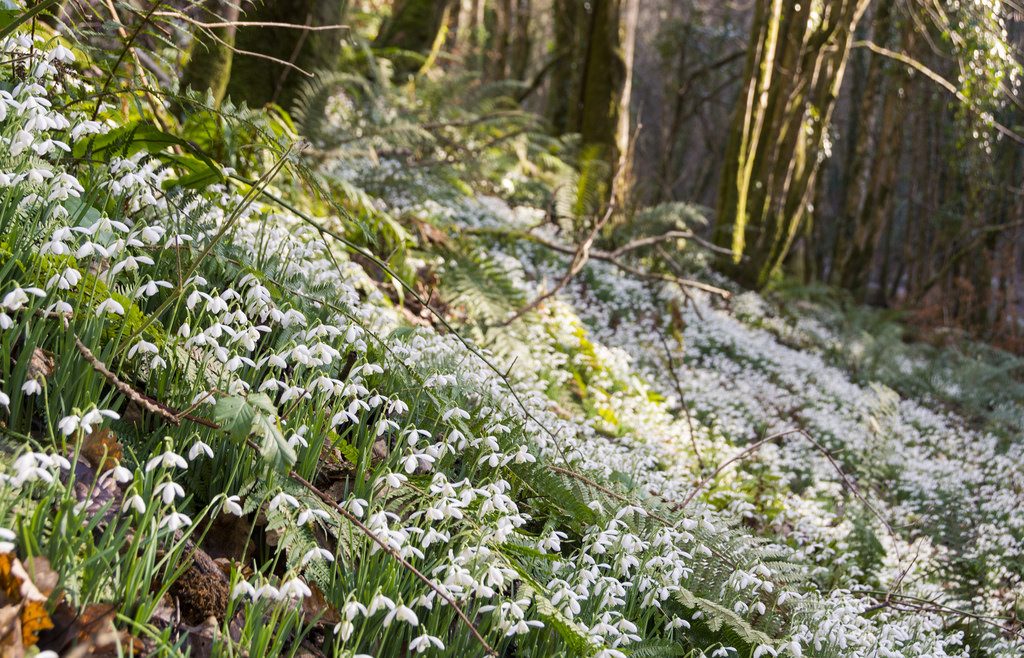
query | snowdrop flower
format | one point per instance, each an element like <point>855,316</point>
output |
<point>283,498</point>
<point>121,474</point>
<point>308,514</point>
<point>392,480</point>
<point>295,589</point>
<point>110,306</point>
<point>317,554</point>
<point>7,538</point>
<point>266,591</point>
<point>31,387</point>
<point>199,448</point>
<point>5,401</point>
<point>232,505</point>
<point>353,608</point>
<point>242,589</point>
<point>66,280</point>
<point>175,521</point>
<point>134,502</point>
<point>357,506</point>
<point>168,459</point>
<point>168,491</point>
<point>401,613</point>
<point>455,412</point>
<point>424,642</point>
<point>142,347</point>
<point>379,602</point>
<point>344,629</point>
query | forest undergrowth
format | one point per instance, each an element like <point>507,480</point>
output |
<point>282,385</point>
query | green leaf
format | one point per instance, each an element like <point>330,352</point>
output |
<point>198,170</point>
<point>256,415</point>
<point>273,447</point>
<point>235,415</point>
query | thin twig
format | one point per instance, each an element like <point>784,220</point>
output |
<point>639,243</point>
<point>146,402</point>
<point>682,397</point>
<point>220,24</point>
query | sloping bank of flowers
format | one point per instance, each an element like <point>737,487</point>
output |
<point>184,372</point>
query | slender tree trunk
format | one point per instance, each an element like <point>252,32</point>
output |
<point>795,66</point>
<point>257,80</point>
<point>414,24</point>
<point>210,56</point>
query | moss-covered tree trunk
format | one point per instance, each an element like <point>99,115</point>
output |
<point>259,80</point>
<point>414,24</point>
<point>873,162</point>
<point>210,55</point>
<point>797,57</point>
<point>597,77</point>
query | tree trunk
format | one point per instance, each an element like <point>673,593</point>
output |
<point>795,66</point>
<point>414,24</point>
<point>257,80</point>
<point>210,55</point>
<point>873,166</point>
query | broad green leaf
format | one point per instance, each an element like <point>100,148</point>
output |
<point>273,446</point>
<point>235,415</point>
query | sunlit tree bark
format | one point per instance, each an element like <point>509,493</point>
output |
<point>796,61</point>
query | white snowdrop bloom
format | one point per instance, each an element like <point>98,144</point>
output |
<point>284,499</point>
<point>357,506</point>
<point>199,448</point>
<point>397,407</point>
<point>763,650</point>
<point>232,505</point>
<point>121,474</point>
<point>297,437</point>
<point>66,280</point>
<point>31,387</point>
<point>16,299</point>
<point>401,613</point>
<point>424,642</point>
<point>309,514</point>
<point>243,589</point>
<point>794,648</point>
<point>343,417</point>
<point>167,459</point>
<point>523,456</point>
<point>134,502</point>
<point>175,521</point>
<point>267,591</point>
<point>142,347</point>
<point>150,288</point>
<point>410,463</point>
<point>455,412</point>
<point>384,424</point>
<point>344,629</point>
<point>109,306</point>
<point>68,425</point>
<point>5,401</point>
<point>317,554</point>
<point>168,491</point>
<point>60,53</point>
<point>379,602</point>
<point>392,480</point>
<point>353,608</point>
<point>295,589</point>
